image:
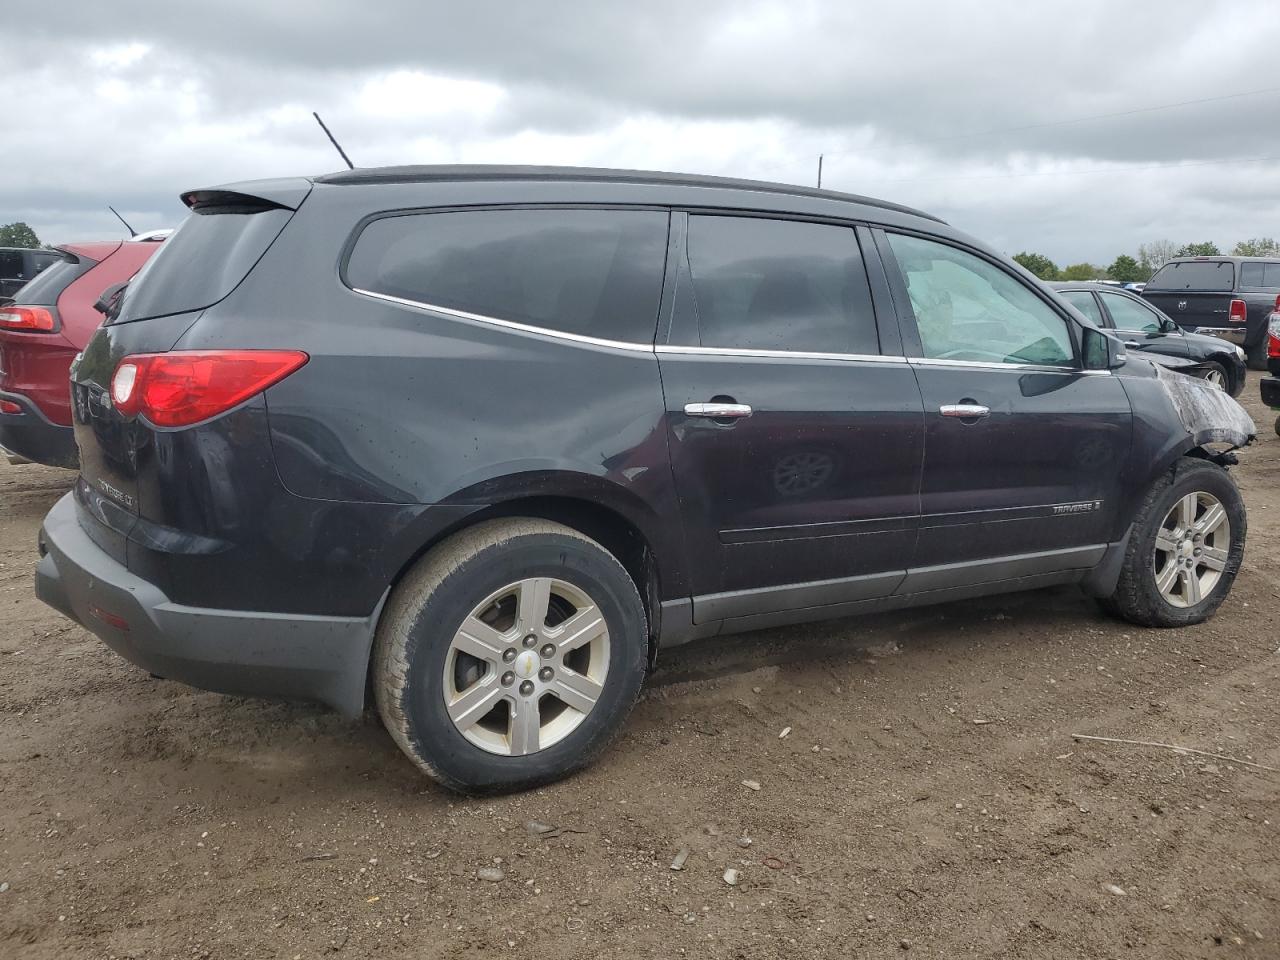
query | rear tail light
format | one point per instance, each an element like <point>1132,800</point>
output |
<point>1239,312</point>
<point>185,387</point>
<point>8,406</point>
<point>28,319</point>
<point>1276,308</point>
<point>1273,337</point>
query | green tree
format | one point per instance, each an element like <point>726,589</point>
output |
<point>1257,247</point>
<point>18,235</point>
<point>1039,264</point>
<point>1206,249</point>
<point>1126,270</point>
<point>1080,271</point>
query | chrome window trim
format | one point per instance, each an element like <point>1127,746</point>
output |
<point>509,324</point>
<point>670,348</point>
<point>983,365</point>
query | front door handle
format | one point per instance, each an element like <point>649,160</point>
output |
<point>964,411</point>
<point>1133,344</point>
<point>717,411</point>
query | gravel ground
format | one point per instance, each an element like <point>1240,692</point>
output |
<point>929,799</point>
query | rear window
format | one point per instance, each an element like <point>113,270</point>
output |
<point>48,285</point>
<point>203,261</point>
<point>1211,275</point>
<point>596,273</point>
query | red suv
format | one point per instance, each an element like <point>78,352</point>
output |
<point>46,323</point>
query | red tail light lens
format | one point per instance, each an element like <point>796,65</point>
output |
<point>1273,338</point>
<point>8,406</point>
<point>185,387</point>
<point>1239,312</point>
<point>1276,309</point>
<point>29,319</point>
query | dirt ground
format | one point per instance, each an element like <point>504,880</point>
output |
<point>929,800</point>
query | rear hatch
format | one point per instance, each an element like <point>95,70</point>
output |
<point>204,260</point>
<point>1195,293</point>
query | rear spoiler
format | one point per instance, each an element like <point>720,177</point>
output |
<point>252,196</point>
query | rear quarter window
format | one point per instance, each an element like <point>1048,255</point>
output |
<point>1260,276</point>
<point>45,289</point>
<point>1208,275</point>
<point>595,273</point>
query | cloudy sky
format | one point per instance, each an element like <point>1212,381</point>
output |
<point>974,111</point>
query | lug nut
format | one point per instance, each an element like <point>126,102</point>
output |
<point>508,654</point>
<point>545,674</point>
<point>530,640</point>
<point>508,678</point>
<point>548,651</point>
<point>526,688</point>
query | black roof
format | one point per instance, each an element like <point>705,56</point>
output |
<point>454,172</point>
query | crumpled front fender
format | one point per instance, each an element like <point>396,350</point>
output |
<point>1209,415</point>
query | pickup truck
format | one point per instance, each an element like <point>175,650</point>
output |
<point>1227,297</point>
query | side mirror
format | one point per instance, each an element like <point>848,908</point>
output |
<point>1102,351</point>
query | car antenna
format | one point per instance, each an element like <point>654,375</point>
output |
<point>132,231</point>
<point>337,146</point>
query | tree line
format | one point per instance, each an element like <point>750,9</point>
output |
<point>18,235</point>
<point>1151,257</point>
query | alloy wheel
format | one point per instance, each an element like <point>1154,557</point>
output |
<point>526,667</point>
<point>1191,549</point>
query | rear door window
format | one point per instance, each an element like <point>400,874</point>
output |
<point>968,309</point>
<point>1208,275</point>
<point>1251,275</point>
<point>1083,301</point>
<point>780,285</point>
<point>590,272</point>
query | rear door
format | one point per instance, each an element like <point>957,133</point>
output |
<point>794,422</point>
<point>1021,444</point>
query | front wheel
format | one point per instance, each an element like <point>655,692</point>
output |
<point>510,655</point>
<point>1185,549</point>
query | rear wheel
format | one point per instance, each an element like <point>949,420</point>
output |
<point>1185,548</point>
<point>510,655</point>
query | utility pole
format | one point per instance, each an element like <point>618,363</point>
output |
<point>819,171</point>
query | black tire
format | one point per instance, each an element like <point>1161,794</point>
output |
<point>1136,597</point>
<point>1278,426</point>
<point>429,605</point>
<point>1256,355</point>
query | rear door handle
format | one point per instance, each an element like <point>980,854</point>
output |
<point>964,411</point>
<point>717,411</point>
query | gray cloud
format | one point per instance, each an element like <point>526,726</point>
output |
<point>133,101</point>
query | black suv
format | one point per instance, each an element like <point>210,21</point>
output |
<point>18,265</point>
<point>474,442</point>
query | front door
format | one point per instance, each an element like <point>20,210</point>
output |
<point>1023,448</point>
<point>795,440</point>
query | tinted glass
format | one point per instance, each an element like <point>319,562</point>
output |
<point>1194,275</point>
<point>1083,301</point>
<point>591,272</point>
<point>45,289</point>
<point>1271,276</point>
<point>201,262</point>
<point>780,285</point>
<point>1131,315</point>
<point>1251,275</point>
<point>10,265</point>
<point>969,309</point>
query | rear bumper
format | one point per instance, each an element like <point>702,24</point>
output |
<point>32,436</point>
<point>1270,389</point>
<point>228,651</point>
